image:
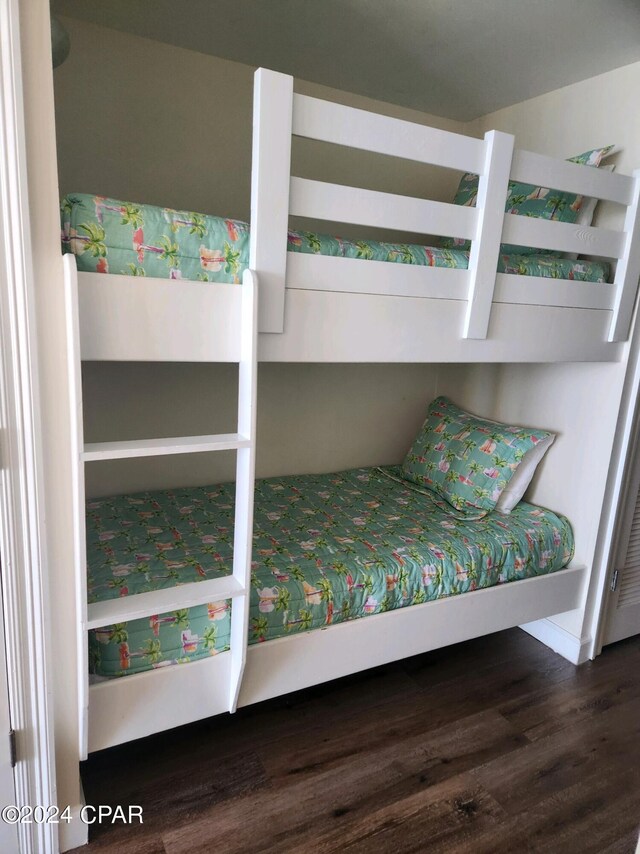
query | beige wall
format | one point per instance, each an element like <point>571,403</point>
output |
<point>311,418</point>
<point>150,122</point>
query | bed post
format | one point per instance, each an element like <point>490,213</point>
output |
<point>485,249</point>
<point>628,269</point>
<point>270,171</point>
<point>74,367</point>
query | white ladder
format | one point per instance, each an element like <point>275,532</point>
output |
<point>235,586</point>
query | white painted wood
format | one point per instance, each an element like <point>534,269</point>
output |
<point>620,484</point>
<point>290,664</point>
<point>135,319</point>
<point>140,605</point>
<point>138,705</point>
<point>163,447</point>
<point>622,617</point>
<point>270,169</point>
<point>485,248</point>
<point>349,327</point>
<point>143,703</point>
<point>361,129</point>
<point>574,649</point>
<point>74,378</point>
<point>328,273</point>
<point>8,832</point>
<point>628,269</point>
<point>562,236</point>
<point>537,290</point>
<point>543,171</point>
<point>338,203</point>
<point>245,484</point>
<point>352,304</point>
<point>25,666</point>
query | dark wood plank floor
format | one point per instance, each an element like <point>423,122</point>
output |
<point>495,745</point>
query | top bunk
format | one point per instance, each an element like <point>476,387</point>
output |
<point>322,299</point>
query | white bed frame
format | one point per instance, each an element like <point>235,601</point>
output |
<point>118,710</point>
<point>314,308</point>
<point>318,309</point>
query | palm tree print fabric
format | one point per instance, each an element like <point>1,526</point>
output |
<point>527,200</point>
<point>327,548</point>
<point>108,236</point>
<point>467,460</point>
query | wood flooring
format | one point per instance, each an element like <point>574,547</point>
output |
<point>494,745</point>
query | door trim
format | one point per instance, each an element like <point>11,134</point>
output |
<point>22,516</point>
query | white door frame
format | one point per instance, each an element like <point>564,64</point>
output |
<point>22,515</point>
<point>612,518</point>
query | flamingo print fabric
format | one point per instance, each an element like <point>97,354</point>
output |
<point>527,200</point>
<point>109,236</point>
<point>468,461</point>
<point>327,548</point>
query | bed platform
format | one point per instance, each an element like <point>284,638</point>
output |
<point>328,597</point>
<point>135,706</point>
<point>321,308</point>
<point>326,549</point>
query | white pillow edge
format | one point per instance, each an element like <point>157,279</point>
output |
<point>519,483</point>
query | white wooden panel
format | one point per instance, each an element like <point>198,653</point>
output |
<point>270,170</point>
<point>163,447</point>
<point>623,617</point>
<point>628,269</point>
<point>290,664</point>
<point>352,275</point>
<point>341,309</point>
<point>543,171</point>
<point>74,379</point>
<point>135,706</point>
<point>160,601</point>
<point>326,326</point>
<point>245,483</point>
<point>562,236</point>
<point>537,290</point>
<point>355,128</point>
<point>138,705</point>
<point>338,203</point>
<point>485,249</point>
<point>131,319</point>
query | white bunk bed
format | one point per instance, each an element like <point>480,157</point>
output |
<point>315,308</point>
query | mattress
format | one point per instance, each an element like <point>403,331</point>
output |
<point>109,236</point>
<point>327,548</point>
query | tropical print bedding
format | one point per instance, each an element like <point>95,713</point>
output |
<point>327,548</point>
<point>109,236</point>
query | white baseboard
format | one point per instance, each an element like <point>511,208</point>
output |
<point>575,650</point>
<point>73,834</point>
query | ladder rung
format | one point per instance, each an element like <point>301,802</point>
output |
<point>161,601</point>
<point>163,447</point>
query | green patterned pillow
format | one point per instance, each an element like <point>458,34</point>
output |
<point>527,200</point>
<point>467,460</point>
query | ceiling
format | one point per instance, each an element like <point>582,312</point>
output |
<point>454,58</point>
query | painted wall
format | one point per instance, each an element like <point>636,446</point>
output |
<point>150,122</point>
<point>311,418</point>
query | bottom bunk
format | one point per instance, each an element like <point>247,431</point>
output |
<point>121,710</point>
<point>327,549</point>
